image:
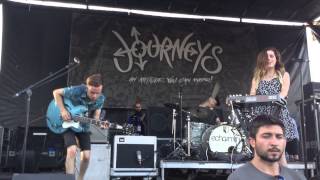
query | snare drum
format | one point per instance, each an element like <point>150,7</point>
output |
<point>222,138</point>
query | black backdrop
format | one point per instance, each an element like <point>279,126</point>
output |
<point>35,44</point>
<point>38,41</point>
<point>154,58</point>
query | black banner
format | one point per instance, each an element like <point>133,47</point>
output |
<point>156,59</point>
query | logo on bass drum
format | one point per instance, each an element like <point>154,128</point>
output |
<point>225,138</point>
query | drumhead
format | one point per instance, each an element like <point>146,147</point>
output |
<point>222,138</point>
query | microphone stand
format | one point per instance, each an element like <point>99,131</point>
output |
<point>28,92</point>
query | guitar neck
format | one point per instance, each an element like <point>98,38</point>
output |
<point>89,120</point>
<point>96,122</point>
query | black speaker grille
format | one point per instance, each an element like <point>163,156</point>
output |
<point>126,156</point>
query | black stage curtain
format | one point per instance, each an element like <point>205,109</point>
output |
<point>35,44</point>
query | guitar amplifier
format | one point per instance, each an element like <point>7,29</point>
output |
<point>311,88</point>
<point>134,153</point>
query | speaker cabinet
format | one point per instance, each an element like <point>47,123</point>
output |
<point>46,176</point>
<point>45,150</point>
<point>99,164</point>
<point>312,115</point>
<point>134,153</point>
<point>311,88</point>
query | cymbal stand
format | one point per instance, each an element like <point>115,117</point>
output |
<point>180,110</point>
<point>178,152</point>
<point>234,118</point>
<point>189,134</point>
<point>174,127</point>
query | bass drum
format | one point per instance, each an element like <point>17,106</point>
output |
<point>222,139</point>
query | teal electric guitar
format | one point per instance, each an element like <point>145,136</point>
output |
<point>79,122</point>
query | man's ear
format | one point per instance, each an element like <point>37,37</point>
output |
<point>252,142</point>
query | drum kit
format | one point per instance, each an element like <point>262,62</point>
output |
<point>205,140</point>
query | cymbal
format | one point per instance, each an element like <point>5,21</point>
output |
<point>200,112</point>
<point>172,105</point>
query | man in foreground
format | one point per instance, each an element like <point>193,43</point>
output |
<point>266,136</point>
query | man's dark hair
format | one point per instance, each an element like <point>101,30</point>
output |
<point>94,80</point>
<point>263,120</point>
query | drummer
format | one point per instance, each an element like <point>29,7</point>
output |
<point>210,108</point>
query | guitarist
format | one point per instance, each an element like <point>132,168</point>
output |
<point>90,95</point>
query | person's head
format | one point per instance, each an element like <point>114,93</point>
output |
<point>266,136</point>
<point>268,58</point>
<point>94,86</point>
<point>137,105</point>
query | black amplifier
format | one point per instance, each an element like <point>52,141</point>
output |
<point>134,153</point>
<point>311,88</point>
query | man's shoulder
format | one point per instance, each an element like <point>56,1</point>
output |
<point>292,173</point>
<point>241,172</point>
<point>101,99</point>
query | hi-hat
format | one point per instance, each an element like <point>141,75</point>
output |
<point>172,105</point>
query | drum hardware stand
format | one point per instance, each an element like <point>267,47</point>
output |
<point>180,108</point>
<point>242,128</point>
<point>179,150</point>
<point>234,119</point>
<point>245,148</point>
<point>28,92</point>
<point>240,125</point>
<point>174,127</point>
<point>189,134</point>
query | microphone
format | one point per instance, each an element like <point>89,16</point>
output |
<point>76,60</point>
<point>16,95</point>
<point>139,158</point>
<point>27,91</point>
